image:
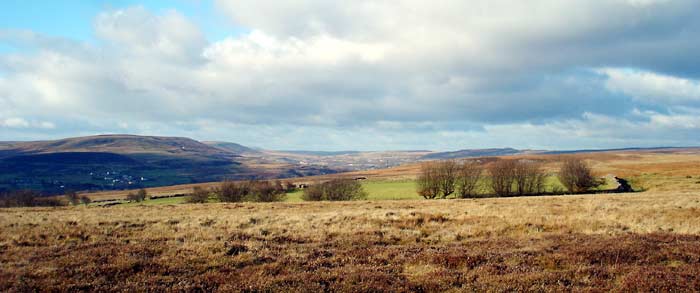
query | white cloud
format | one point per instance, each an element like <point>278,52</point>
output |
<point>652,87</point>
<point>17,122</point>
<point>138,32</point>
<point>447,71</point>
<point>14,123</point>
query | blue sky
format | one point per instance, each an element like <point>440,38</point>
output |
<point>74,18</point>
<point>365,75</point>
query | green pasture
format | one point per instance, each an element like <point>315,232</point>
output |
<point>376,190</point>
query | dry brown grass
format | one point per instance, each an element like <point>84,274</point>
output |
<point>638,241</point>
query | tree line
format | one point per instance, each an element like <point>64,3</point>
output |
<point>503,177</point>
<point>266,191</point>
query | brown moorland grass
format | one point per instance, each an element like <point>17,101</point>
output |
<point>622,242</point>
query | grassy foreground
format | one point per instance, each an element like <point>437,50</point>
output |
<point>641,241</point>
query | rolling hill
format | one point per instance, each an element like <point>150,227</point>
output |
<point>108,162</point>
<point>117,162</point>
<point>470,153</point>
<point>232,147</point>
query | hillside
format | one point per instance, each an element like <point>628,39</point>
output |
<point>107,162</point>
<point>231,147</point>
<point>120,144</point>
<point>469,153</point>
<point>118,162</point>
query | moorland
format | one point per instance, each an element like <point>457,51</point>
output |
<point>641,241</point>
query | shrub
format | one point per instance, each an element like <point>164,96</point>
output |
<point>314,192</point>
<point>428,182</point>
<point>72,197</point>
<point>529,178</point>
<point>142,194</point>
<point>502,177</point>
<point>85,200</point>
<point>199,195</point>
<point>335,190</point>
<point>437,179</point>
<point>27,198</point>
<point>289,187</point>
<point>264,191</point>
<point>447,177</point>
<point>468,177</point>
<point>254,190</point>
<point>230,191</point>
<point>577,176</point>
<point>24,198</point>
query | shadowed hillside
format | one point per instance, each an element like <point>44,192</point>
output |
<point>109,162</point>
<point>117,162</point>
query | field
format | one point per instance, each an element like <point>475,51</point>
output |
<point>646,241</point>
<point>402,189</point>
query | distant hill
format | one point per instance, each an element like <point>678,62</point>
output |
<point>115,162</point>
<point>471,153</point>
<point>321,153</point>
<point>107,162</point>
<point>231,147</point>
<point>122,144</point>
<point>650,149</point>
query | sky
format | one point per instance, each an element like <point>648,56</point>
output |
<point>355,75</point>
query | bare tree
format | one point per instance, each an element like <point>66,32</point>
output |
<point>335,190</point>
<point>264,191</point>
<point>72,197</point>
<point>502,177</point>
<point>577,176</point>
<point>468,177</point>
<point>447,177</point>
<point>85,200</point>
<point>199,195</point>
<point>428,181</point>
<point>529,178</point>
<point>231,191</point>
<point>141,194</point>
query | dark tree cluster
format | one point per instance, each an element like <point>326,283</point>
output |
<point>506,177</point>
<point>27,198</point>
<point>335,190</point>
<point>253,190</point>
<point>443,178</point>
<point>577,176</point>
<point>517,177</point>
<point>75,199</point>
<point>139,196</point>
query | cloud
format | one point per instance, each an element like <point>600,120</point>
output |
<point>653,87</point>
<point>372,75</point>
<point>138,33</point>
<point>16,122</point>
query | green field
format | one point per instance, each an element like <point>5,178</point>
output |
<point>376,190</point>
